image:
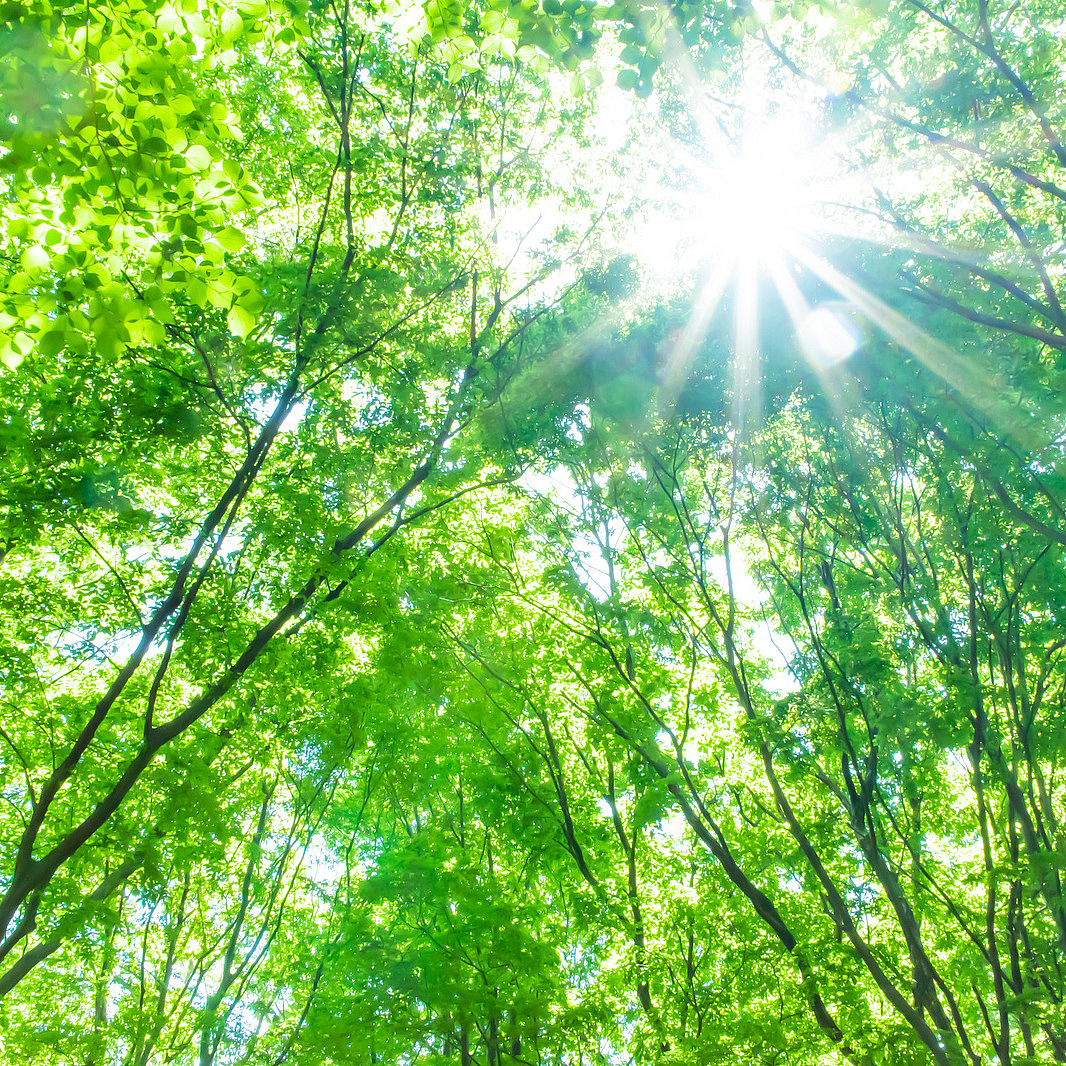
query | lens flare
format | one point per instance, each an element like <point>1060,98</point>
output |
<point>828,335</point>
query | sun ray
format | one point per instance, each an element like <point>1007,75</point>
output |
<point>684,345</point>
<point>960,374</point>
<point>746,392</point>
<point>759,193</point>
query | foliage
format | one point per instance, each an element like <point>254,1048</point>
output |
<point>417,645</point>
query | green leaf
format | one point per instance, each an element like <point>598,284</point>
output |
<point>240,321</point>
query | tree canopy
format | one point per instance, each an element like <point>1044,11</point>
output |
<point>533,531</point>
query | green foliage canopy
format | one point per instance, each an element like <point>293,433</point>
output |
<point>418,645</point>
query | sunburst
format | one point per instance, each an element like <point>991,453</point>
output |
<point>745,200</point>
<point>757,195</point>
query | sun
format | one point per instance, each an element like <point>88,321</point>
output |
<point>741,200</point>
<point>753,192</point>
<point>753,201</point>
<point>745,201</point>
<point>745,190</point>
<point>765,205</point>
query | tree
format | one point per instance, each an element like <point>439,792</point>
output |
<point>388,604</point>
<point>199,576</point>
